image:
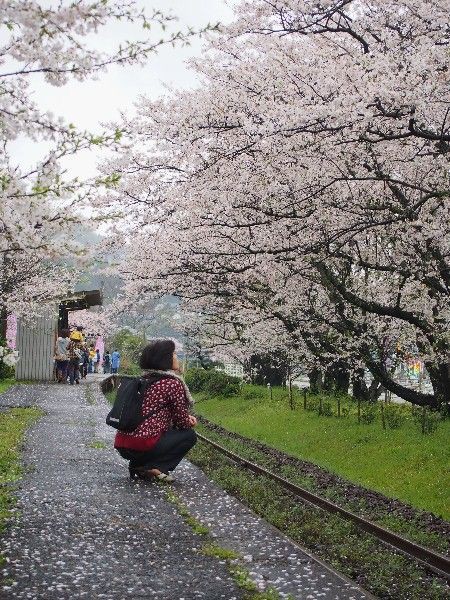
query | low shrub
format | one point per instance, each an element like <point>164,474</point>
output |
<point>196,379</point>
<point>252,393</point>
<point>327,409</point>
<point>368,413</point>
<point>427,420</point>
<point>6,372</point>
<point>221,384</point>
<point>312,404</point>
<point>213,382</point>
<point>394,416</point>
<point>129,367</point>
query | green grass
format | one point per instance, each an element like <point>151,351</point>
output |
<point>400,463</point>
<point>193,523</point>
<point>219,552</point>
<point>239,573</point>
<point>13,424</point>
<point>413,527</point>
<point>98,445</point>
<point>5,384</point>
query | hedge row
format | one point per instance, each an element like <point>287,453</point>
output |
<point>212,382</point>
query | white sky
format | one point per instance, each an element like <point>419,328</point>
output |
<point>91,102</point>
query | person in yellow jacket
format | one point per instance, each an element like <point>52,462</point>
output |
<point>77,335</point>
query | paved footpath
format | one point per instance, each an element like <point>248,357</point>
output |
<point>85,531</point>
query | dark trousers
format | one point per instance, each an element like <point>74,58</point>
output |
<point>61,370</point>
<point>74,370</point>
<point>168,452</point>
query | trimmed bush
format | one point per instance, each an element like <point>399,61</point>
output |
<point>196,379</point>
<point>221,384</point>
<point>213,382</point>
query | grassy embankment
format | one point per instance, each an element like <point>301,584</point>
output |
<point>400,463</point>
<point>6,384</point>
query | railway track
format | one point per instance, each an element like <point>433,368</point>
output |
<point>431,560</point>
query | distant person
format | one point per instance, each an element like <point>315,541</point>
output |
<point>62,356</point>
<point>159,443</point>
<point>115,361</point>
<point>84,363</point>
<point>92,355</point>
<point>75,351</point>
<point>96,360</point>
<point>77,334</point>
<point>107,362</point>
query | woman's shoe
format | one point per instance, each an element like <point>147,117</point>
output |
<point>164,477</point>
<point>147,475</point>
<point>136,473</point>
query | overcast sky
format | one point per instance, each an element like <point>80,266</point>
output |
<point>91,102</point>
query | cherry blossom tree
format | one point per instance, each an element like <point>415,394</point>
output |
<point>306,184</point>
<point>28,285</point>
<point>41,207</point>
<point>95,321</point>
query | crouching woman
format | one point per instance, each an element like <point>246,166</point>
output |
<point>159,443</point>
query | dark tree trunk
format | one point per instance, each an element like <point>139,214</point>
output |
<point>342,381</point>
<point>360,391</point>
<point>440,380</point>
<point>328,380</point>
<point>363,392</point>
<point>379,371</point>
<point>337,378</point>
<point>268,368</point>
<point>375,389</point>
<point>315,380</point>
<point>3,322</point>
<point>341,377</point>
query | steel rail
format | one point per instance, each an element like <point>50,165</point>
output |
<point>438,563</point>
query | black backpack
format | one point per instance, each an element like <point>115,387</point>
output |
<point>126,413</point>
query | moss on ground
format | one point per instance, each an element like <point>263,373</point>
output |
<point>193,523</point>
<point>5,384</point>
<point>89,394</point>
<point>238,572</point>
<point>98,445</point>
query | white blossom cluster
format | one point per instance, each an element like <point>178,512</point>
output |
<point>93,321</point>
<point>9,357</point>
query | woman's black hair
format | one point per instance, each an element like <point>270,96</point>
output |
<point>158,355</point>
